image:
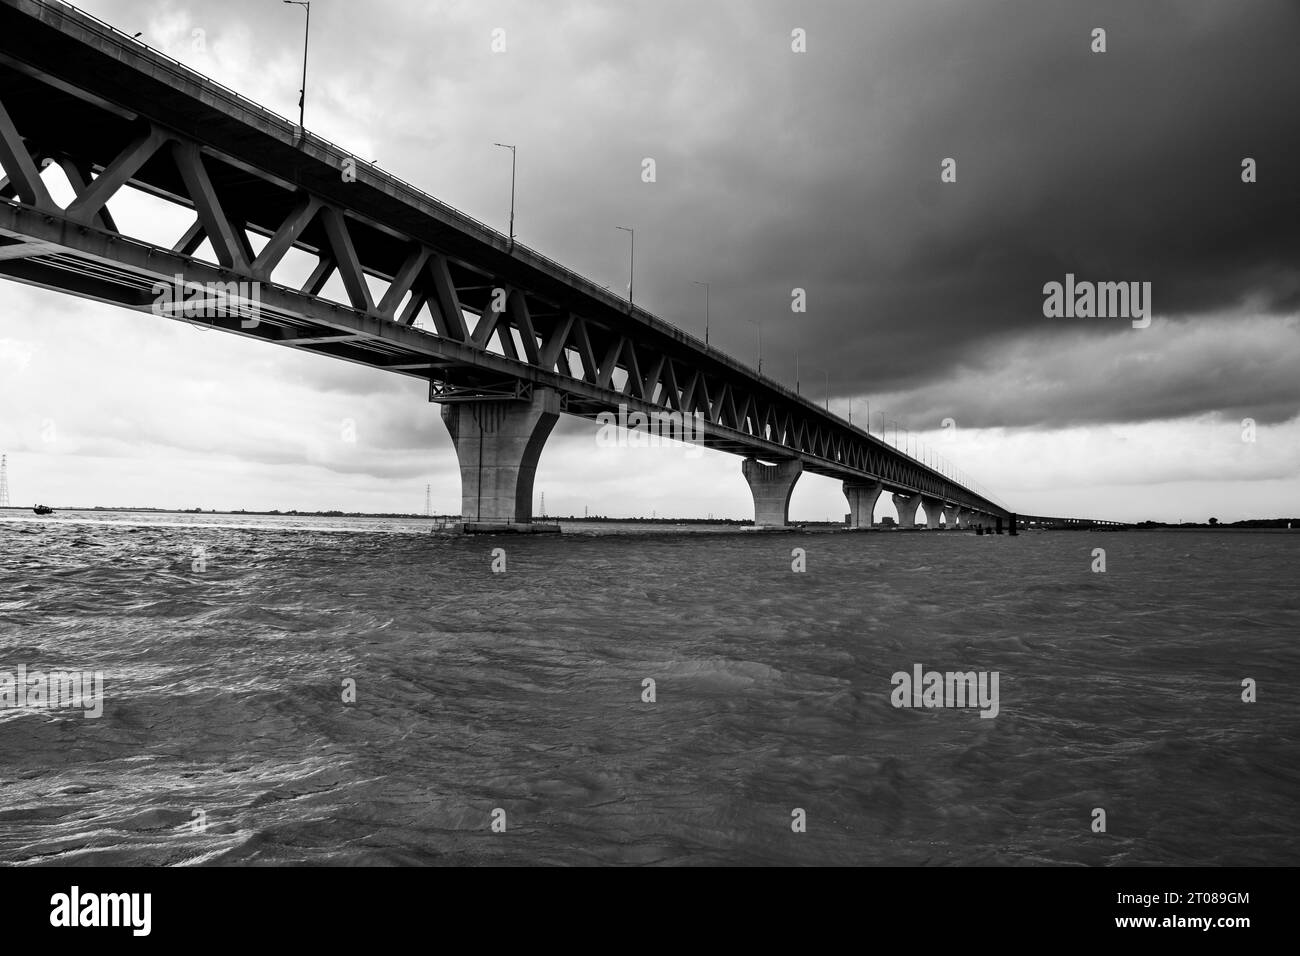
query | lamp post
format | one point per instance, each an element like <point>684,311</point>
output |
<point>706,310</point>
<point>868,404</point>
<point>512,189</point>
<point>759,329</point>
<point>302,94</point>
<point>631,266</point>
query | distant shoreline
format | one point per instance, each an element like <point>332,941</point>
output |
<point>1249,524</point>
<point>406,516</point>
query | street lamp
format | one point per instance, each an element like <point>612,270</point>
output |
<point>302,94</point>
<point>706,310</point>
<point>826,377</point>
<point>512,189</point>
<point>759,329</point>
<point>631,266</point>
<point>868,404</point>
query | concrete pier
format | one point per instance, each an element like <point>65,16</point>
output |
<point>862,502</point>
<point>905,505</point>
<point>771,486</point>
<point>933,512</point>
<point>498,444</point>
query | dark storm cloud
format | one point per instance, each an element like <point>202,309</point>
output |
<point>820,170</point>
<point>1117,166</point>
<point>1246,369</point>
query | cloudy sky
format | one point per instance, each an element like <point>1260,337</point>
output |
<point>775,169</point>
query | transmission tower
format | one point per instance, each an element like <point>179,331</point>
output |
<point>428,512</point>
<point>4,481</point>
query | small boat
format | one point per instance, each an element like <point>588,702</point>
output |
<point>43,510</point>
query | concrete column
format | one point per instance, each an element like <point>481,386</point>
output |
<point>933,509</point>
<point>498,444</point>
<point>906,507</point>
<point>952,513</point>
<point>862,502</point>
<point>771,486</point>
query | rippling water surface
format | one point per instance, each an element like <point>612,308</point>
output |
<point>522,691</point>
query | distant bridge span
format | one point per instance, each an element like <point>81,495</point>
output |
<point>516,340</point>
<point>1042,523</point>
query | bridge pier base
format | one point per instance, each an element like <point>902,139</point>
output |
<point>933,511</point>
<point>498,444</point>
<point>953,514</point>
<point>905,505</point>
<point>862,503</point>
<point>771,486</point>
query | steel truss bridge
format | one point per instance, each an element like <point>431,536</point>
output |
<point>503,326</point>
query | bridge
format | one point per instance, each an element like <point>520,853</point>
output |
<point>1043,523</point>
<point>510,339</point>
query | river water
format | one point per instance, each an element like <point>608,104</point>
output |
<point>227,645</point>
